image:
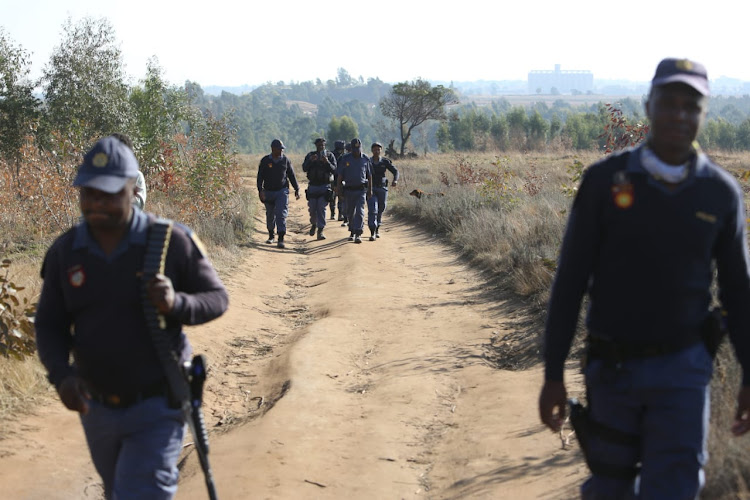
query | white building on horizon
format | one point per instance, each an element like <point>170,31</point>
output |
<point>560,82</point>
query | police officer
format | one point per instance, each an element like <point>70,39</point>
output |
<point>338,152</point>
<point>90,306</point>
<point>139,198</point>
<point>343,212</point>
<point>355,183</point>
<point>320,166</point>
<point>378,201</point>
<point>644,231</point>
<point>275,172</point>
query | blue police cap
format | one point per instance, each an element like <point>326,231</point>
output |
<point>276,143</point>
<point>690,73</point>
<point>107,166</point>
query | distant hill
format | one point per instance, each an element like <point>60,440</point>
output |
<point>218,89</point>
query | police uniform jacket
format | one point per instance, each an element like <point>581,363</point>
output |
<point>644,253</point>
<point>354,171</point>
<point>275,174</point>
<point>378,172</point>
<point>90,305</point>
<point>319,170</point>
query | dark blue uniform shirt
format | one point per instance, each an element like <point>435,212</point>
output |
<point>275,174</point>
<point>645,255</point>
<point>90,305</point>
<point>378,172</point>
<point>354,171</point>
<point>319,171</point>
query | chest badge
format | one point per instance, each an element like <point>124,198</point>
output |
<point>622,191</point>
<point>76,276</point>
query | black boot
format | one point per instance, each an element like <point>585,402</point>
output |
<point>270,238</point>
<point>377,232</point>
<point>312,230</point>
<point>281,244</point>
<point>372,233</point>
<point>321,236</point>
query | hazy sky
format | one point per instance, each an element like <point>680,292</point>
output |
<point>222,42</point>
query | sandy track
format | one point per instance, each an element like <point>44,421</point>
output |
<point>344,371</point>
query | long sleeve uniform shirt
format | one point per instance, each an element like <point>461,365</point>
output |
<point>645,255</point>
<point>275,174</point>
<point>90,305</point>
<point>379,169</point>
<point>320,167</point>
<point>354,171</point>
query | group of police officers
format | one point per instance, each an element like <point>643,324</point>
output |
<point>345,174</point>
<point>648,229</point>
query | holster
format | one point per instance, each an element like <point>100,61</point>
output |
<point>713,330</point>
<point>585,428</point>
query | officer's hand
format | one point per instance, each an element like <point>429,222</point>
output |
<point>742,418</point>
<point>394,184</point>
<point>369,194</point>
<point>296,195</point>
<point>161,293</point>
<point>553,403</point>
<point>74,394</point>
<point>262,196</point>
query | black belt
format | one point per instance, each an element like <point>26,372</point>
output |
<point>355,188</point>
<point>128,399</point>
<point>602,348</point>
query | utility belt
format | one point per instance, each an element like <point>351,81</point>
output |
<point>355,187</point>
<point>127,399</point>
<point>327,194</point>
<point>610,350</point>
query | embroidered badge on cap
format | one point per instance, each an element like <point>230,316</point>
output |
<point>622,191</point>
<point>76,276</point>
<point>684,65</point>
<point>100,160</point>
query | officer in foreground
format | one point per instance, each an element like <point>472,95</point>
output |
<point>378,202</point>
<point>275,172</point>
<point>355,183</point>
<point>319,165</point>
<point>91,306</point>
<point>644,232</point>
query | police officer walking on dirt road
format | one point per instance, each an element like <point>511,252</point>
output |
<point>646,228</point>
<point>337,201</point>
<point>355,183</point>
<point>377,203</point>
<point>320,166</point>
<point>92,306</point>
<point>275,172</point>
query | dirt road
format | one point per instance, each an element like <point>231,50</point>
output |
<point>343,371</point>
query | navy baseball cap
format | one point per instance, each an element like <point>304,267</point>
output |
<point>338,144</point>
<point>376,144</point>
<point>319,140</point>
<point>107,166</point>
<point>276,143</point>
<point>356,142</point>
<point>690,73</point>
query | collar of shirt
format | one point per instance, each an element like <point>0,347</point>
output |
<point>137,234</point>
